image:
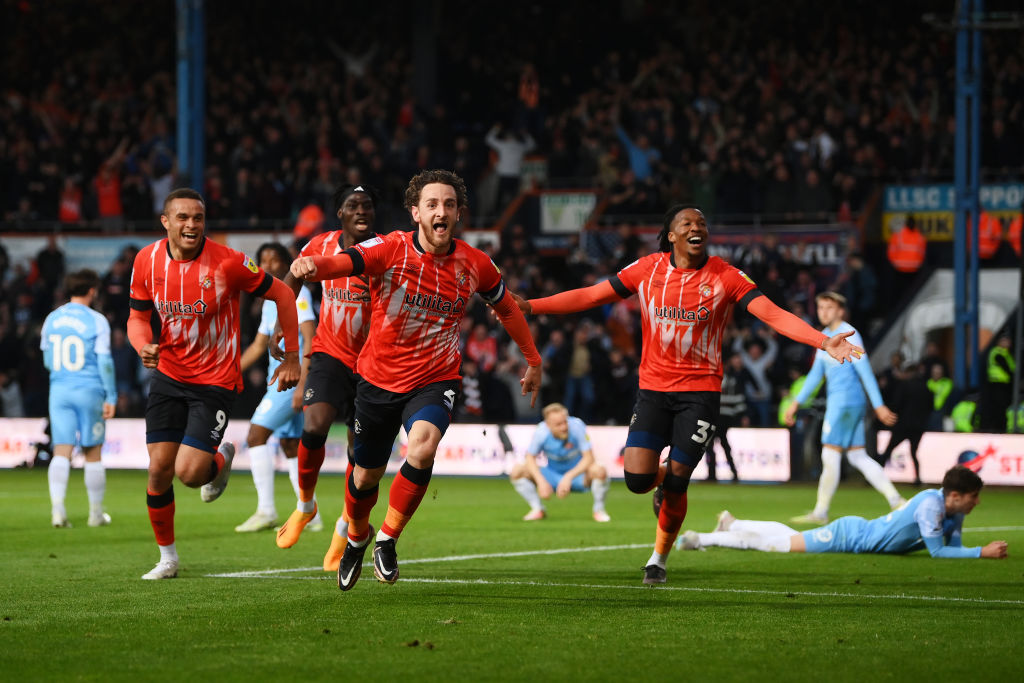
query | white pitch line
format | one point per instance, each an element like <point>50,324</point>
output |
<point>263,573</point>
<point>268,573</point>
<point>449,558</point>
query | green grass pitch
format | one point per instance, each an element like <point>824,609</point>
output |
<point>484,596</point>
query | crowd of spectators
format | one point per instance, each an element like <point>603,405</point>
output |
<point>781,110</point>
<point>768,108</point>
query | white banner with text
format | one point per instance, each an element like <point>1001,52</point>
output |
<point>490,450</point>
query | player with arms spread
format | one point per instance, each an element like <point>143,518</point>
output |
<point>409,368</point>
<point>194,284</point>
<point>75,341</point>
<point>330,388</point>
<point>686,299</point>
<point>932,519</point>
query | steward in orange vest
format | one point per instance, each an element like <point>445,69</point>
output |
<point>1013,233</point>
<point>990,233</point>
<point>907,248</point>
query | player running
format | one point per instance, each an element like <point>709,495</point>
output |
<point>329,391</point>
<point>193,284</point>
<point>686,299</point>
<point>409,368</point>
<point>932,519</point>
<point>280,412</point>
<point>75,341</point>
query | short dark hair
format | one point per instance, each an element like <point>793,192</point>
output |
<point>182,193</point>
<point>424,178</point>
<point>276,247</point>
<point>666,226</point>
<point>80,282</point>
<point>961,479</point>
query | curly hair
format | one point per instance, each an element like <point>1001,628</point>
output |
<point>424,178</point>
<point>282,252</point>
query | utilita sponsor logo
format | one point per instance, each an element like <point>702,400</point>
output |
<point>338,294</point>
<point>678,313</point>
<point>180,309</point>
<point>433,302</point>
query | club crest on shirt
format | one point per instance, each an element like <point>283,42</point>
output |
<point>206,283</point>
<point>705,290</point>
<point>461,278</point>
<point>251,265</point>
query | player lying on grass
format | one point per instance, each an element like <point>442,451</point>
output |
<point>932,519</point>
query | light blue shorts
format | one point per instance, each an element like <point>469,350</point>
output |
<point>554,476</point>
<point>76,415</point>
<point>843,426</point>
<point>275,413</point>
<point>839,536</point>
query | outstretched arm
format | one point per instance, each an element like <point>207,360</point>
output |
<point>574,300</point>
<point>318,268</point>
<point>512,319</point>
<point>287,373</point>
<point>863,368</point>
<point>796,329</point>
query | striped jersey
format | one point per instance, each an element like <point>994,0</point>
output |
<point>197,301</point>
<point>344,319</point>
<point>75,341</point>
<point>684,312</point>
<point>418,301</point>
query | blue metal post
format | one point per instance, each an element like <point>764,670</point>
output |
<point>191,45</point>
<point>974,192</point>
<point>184,93</point>
<point>960,317</point>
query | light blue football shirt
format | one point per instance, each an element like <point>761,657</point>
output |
<point>845,383</point>
<point>268,320</point>
<point>75,341</point>
<point>562,454</point>
<point>920,523</point>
